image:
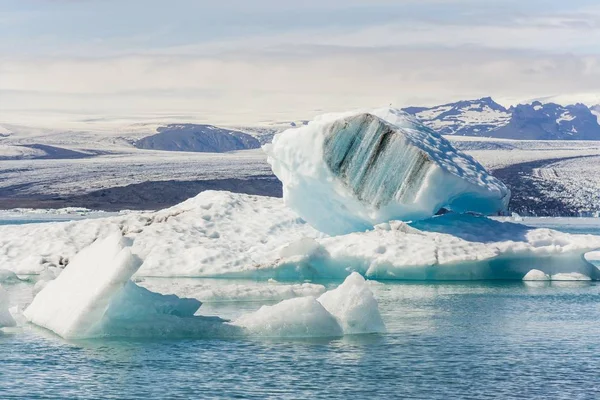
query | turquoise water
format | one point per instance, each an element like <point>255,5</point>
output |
<point>506,340</point>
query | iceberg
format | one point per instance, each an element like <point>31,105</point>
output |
<point>95,297</point>
<point>344,173</point>
<point>349,309</point>
<point>6,319</point>
<point>299,317</point>
<point>260,238</point>
<point>447,247</point>
<point>354,306</point>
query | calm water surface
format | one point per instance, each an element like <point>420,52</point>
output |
<point>445,341</point>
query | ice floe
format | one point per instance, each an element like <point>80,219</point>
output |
<point>347,172</point>
<point>448,247</point>
<point>95,297</point>
<point>260,238</point>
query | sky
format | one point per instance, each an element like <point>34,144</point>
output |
<point>65,62</point>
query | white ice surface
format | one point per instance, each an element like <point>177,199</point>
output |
<point>354,306</point>
<point>347,172</point>
<point>220,234</point>
<point>300,317</point>
<point>225,291</point>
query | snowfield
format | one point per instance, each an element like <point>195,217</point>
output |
<point>79,176</point>
<point>575,182</point>
<point>500,153</point>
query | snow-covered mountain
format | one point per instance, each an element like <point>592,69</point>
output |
<point>535,121</point>
<point>197,138</point>
<point>464,118</point>
<point>596,111</point>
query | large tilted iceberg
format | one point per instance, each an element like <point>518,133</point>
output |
<point>94,297</point>
<point>347,172</point>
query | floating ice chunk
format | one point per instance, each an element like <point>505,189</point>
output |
<point>300,317</point>
<point>94,297</point>
<point>73,304</point>
<point>354,306</point>
<point>570,276</point>
<point>536,275</point>
<point>347,172</point>
<point>349,309</point>
<point>6,319</point>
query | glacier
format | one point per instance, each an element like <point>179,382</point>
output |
<point>348,172</point>
<point>94,296</point>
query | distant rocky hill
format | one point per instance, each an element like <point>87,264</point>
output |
<point>197,138</point>
<point>536,121</point>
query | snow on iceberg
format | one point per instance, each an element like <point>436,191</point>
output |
<point>259,238</point>
<point>349,309</point>
<point>448,247</point>
<point>6,319</point>
<point>347,172</point>
<point>208,235</point>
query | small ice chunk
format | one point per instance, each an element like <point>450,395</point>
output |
<point>349,309</point>
<point>536,275</point>
<point>354,306</point>
<point>570,276</point>
<point>299,317</point>
<point>6,319</point>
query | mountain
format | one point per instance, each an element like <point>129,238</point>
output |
<point>197,138</point>
<point>464,118</point>
<point>535,121</point>
<point>596,111</point>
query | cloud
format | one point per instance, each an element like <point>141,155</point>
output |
<point>248,90</point>
<point>294,60</point>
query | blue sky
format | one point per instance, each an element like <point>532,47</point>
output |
<point>255,61</point>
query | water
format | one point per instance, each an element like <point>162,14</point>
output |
<point>445,340</point>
